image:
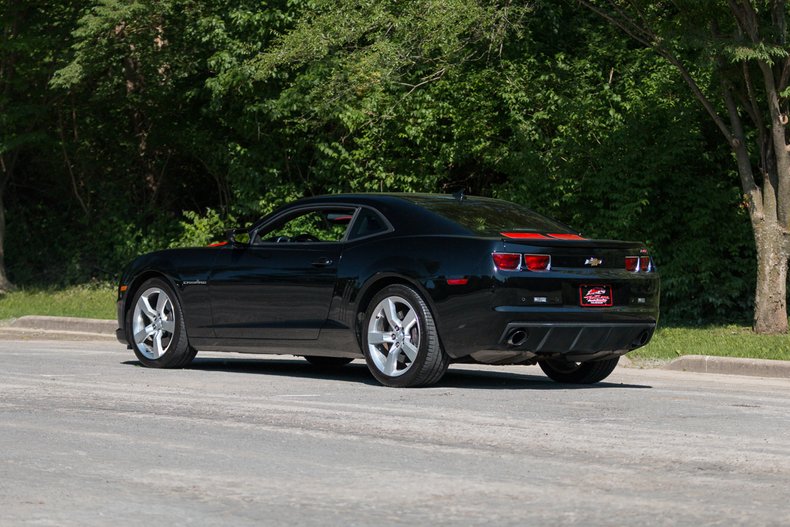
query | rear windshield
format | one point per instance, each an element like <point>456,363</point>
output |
<point>489,217</point>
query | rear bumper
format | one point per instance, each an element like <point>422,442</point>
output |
<point>470,326</point>
<point>573,339</point>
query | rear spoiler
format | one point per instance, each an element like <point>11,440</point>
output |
<point>569,240</point>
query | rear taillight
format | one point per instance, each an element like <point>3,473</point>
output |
<point>637,264</point>
<point>537,262</point>
<point>516,261</point>
<point>506,261</point>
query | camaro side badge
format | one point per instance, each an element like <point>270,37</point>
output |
<point>594,262</point>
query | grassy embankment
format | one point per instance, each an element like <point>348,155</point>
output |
<point>725,341</point>
<point>732,341</point>
<point>93,301</point>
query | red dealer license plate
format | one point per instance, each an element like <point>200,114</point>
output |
<point>596,296</point>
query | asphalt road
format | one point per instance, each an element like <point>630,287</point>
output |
<point>87,437</point>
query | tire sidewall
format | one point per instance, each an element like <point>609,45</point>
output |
<point>584,373</point>
<point>179,346</point>
<point>417,303</point>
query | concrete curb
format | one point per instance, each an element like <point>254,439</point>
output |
<point>68,324</point>
<point>58,328</point>
<point>731,366</point>
<point>9,333</point>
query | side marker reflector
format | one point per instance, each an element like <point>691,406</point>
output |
<point>457,281</point>
<point>124,288</point>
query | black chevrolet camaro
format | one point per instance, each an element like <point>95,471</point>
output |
<point>409,282</point>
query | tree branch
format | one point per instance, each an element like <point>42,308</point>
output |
<point>750,188</point>
<point>67,162</point>
<point>627,26</point>
<point>649,39</point>
<point>779,121</point>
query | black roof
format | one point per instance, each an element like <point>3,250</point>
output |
<point>448,214</point>
<point>406,216</point>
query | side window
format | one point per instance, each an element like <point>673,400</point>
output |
<point>328,224</point>
<point>368,222</point>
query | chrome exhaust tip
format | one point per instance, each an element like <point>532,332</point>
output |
<point>517,338</point>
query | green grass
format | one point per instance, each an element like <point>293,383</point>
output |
<point>726,341</point>
<point>88,301</point>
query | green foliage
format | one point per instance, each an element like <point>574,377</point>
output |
<point>171,121</point>
<point>199,231</point>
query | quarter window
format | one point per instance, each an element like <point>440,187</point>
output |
<point>368,222</point>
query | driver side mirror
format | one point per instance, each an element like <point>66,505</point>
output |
<point>238,236</point>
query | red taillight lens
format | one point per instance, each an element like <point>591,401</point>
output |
<point>506,261</point>
<point>637,263</point>
<point>537,262</point>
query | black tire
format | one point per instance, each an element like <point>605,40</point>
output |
<point>565,371</point>
<point>175,349</point>
<point>428,361</point>
<point>327,363</point>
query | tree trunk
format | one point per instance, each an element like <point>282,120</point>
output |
<point>5,284</point>
<point>770,302</point>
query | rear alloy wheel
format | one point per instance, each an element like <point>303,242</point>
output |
<point>156,327</point>
<point>570,372</point>
<point>327,363</point>
<point>400,341</point>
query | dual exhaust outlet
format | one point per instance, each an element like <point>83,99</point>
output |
<point>517,337</point>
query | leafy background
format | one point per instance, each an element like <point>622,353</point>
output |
<point>144,124</point>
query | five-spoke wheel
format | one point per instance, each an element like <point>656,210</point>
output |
<point>393,336</point>
<point>400,341</point>
<point>156,325</point>
<point>153,323</point>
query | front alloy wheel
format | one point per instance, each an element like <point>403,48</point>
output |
<point>156,324</point>
<point>153,323</point>
<point>400,341</point>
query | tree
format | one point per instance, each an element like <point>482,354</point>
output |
<point>371,84</point>
<point>30,33</point>
<point>735,59</point>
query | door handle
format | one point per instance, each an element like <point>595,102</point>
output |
<point>322,262</point>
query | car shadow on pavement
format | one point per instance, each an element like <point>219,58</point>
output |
<point>499,380</point>
<point>288,368</point>
<point>357,372</point>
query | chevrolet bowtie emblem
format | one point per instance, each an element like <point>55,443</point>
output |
<point>594,262</point>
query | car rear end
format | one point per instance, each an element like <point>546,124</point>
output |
<point>538,289</point>
<point>579,298</point>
